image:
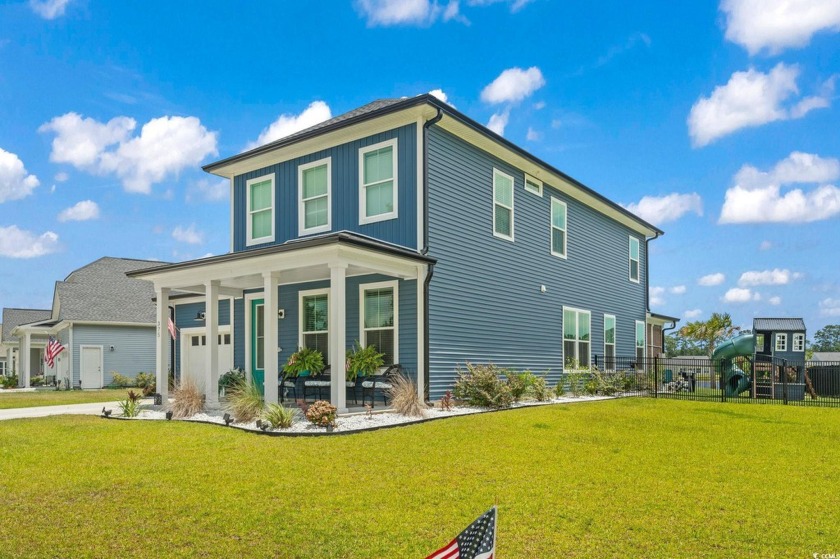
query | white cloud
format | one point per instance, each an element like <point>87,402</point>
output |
<point>751,98</point>
<point>512,85</point>
<point>830,307</point>
<point>498,122</point>
<point>208,190</point>
<point>777,24</point>
<point>82,211</point>
<point>441,95</point>
<point>656,296</point>
<point>662,209</point>
<point>757,196</point>
<point>712,279</point>
<point>515,5</point>
<point>287,124</point>
<point>765,245</point>
<point>49,9</point>
<point>533,135</point>
<point>189,235</point>
<point>740,295</point>
<point>19,243</point>
<point>15,182</point>
<point>61,176</point>
<point>678,290</point>
<point>399,12</point>
<point>539,105</point>
<point>775,300</point>
<point>693,313</point>
<point>164,147</point>
<point>775,276</point>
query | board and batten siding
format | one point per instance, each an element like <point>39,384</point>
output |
<point>134,349</point>
<point>485,299</point>
<point>344,200</point>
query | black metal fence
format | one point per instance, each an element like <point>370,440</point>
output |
<point>762,379</point>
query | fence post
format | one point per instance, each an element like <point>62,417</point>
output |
<point>656,377</point>
<point>784,380</point>
<point>721,380</point>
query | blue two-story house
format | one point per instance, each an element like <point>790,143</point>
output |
<point>407,225</point>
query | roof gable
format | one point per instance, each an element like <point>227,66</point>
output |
<point>12,318</point>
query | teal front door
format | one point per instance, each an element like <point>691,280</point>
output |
<point>258,344</point>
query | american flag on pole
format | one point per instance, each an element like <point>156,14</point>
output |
<point>478,541</point>
<point>52,350</point>
<point>171,326</point>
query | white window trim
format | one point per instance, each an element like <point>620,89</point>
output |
<point>798,343</point>
<point>577,340</point>
<point>302,230</point>
<point>565,230</point>
<point>615,331</point>
<point>395,285</point>
<point>778,338</point>
<point>630,260</point>
<point>538,183</point>
<point>495,203</point>
<point>248,227</point>
<point>310,293</point>
<point>363,219</point>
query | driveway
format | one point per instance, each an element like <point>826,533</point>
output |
<point>43,411</point>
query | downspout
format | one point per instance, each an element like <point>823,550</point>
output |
<point>647,271</point>
<point>425,250</point>
<point>171,343</point>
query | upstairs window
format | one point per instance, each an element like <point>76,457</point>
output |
<point>314,183</point>
<point>502,205</point>
<point>378,182</point>
<point>314,317</point>
<point>533,186</point>
<point>781,342</point>
<point>634,259</point>
<point>260,193</point>
<point>558,228</point>
<point>799,342</point>
<point>576,337</point>
<point>380,319</point>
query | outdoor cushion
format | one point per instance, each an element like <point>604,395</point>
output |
<point>370,384</point>
<point>317,383</point>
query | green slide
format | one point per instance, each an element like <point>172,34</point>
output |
<point>735,380</point>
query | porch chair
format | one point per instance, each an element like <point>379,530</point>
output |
<point>382,382</point>
<point>317,384</point>
<point>288,383</point>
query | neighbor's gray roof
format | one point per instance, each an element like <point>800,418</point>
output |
<point>12,318</point>
<point>827,356</point>
<point>101,292</point>
<point>778,324</point>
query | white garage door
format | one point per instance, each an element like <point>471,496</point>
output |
<point>193,356</point>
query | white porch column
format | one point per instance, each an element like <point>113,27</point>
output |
<point>10,360</point>
<point>211,356</point>
<point>25,358</point>
<point>421,332</point>
<point>271,281</point>
<point>337,328</point>
<point>162,343</point>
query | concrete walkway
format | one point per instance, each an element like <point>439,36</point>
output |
<point>44,411</point>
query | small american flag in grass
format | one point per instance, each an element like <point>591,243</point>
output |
<point>478,541</point>
<point>52,350</point>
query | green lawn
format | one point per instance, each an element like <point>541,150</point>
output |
<point>622,478</point>
<point>9,400</point>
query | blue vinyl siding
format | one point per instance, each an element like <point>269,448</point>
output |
<point>345,192</point>
<point>134,349</point>
<point>485,299</point>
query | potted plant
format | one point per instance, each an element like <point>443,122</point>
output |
<point>363,361</point>
<point>305,362</point>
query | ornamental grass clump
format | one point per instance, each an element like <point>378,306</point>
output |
<point>481,385</point>
<point>404,398</point>
<point>245,401</point>
<point>189,400</point>
<point>279,416</point>
<point>321,413</point>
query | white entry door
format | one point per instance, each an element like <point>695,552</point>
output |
<point>194,348</point>
<point>91,366</point>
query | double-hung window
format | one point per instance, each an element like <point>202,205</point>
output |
<point>502,205</point>
<point>314,182</point>
<point>576,337</point>
<point>799,342</point>
<point>558,228</point>
<point>260,194</point>
<point>380,318</point>
<point>634,259</point>
<point>640,344</point>
<point>378,182</point>
<point>609,341</point>
<point>314,321</point>
<point>781,342</point>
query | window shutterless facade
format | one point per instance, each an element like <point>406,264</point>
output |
<point>260,201</point>
<point>378,182</point>
<point>640,344</point>
<point>558,228</point>
<point>502,205</point>
<point>533,186</point>
<point>799,342</point>
<point>634,259</point>
<point>314,192</point>
<point>576,337</point>
<point>314,321</point>
<point>379,303</point>
<point>781,342</point>
<point>609,341</point>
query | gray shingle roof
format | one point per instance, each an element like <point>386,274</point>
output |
<point>12,318</point>
<point>779,324</point>
<point>827,356</point>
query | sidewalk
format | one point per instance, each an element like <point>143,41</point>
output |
<point>44,411</point>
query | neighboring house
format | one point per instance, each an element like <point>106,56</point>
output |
<point>826,356</point>
<point>656,333</point>
<point>23,350</point>
<point>3,367</point>
<point>104,319</point>
<point>407,225</point>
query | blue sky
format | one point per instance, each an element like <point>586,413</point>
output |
<point>718,122</point>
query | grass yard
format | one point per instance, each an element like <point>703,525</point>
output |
<point>622,478</point>
<point>9,400</point>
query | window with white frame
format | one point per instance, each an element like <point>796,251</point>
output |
<point>781,342</point>
<point>558,228</point>
<point>609,341</point>
<point>502,205</point>
<point>533,186</point>
<point>799,342</point>
<point>3,368</point>
<point>576,337</point>
<point>314,321</point>
<point>640,344</point>
<point>378,182</point>
<point>314,188</point>
<point>260,194</point>
<point>380,318</point>
<point>634,259</point>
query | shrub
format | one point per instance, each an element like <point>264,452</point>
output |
<point>560,389</point>
<point>121,380</point>
<point>540,390</point>
<point>146,382</point>
<point>404,398</point>
<point>480,385</point>
<point>279,416</point>
<point>321,413</point>
<point>131,405</point>
<point>576,380</point>
<point>519,383</point>
<point>607,384</point>
<point>188,399</point>
<point>245,401</point>
<point>37,380</point>
<point>9,382</point>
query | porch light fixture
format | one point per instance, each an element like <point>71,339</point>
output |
<point>281,313</point>
<point>228,419</point>
<point>199,316</point>
<point>169,415</point>
<point>112,348</point>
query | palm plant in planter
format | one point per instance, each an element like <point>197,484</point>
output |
<point>305,361</point>
<point>363,361</point>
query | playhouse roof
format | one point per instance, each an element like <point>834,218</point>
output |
<point>778,324</point>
